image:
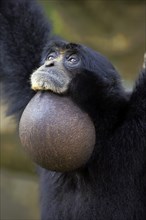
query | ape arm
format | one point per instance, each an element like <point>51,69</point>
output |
<point>137,103</point>
<point>129,139</point>
<point>138,97</point>
<point>24,33</point>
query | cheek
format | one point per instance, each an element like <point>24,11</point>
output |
<point>73,70</point>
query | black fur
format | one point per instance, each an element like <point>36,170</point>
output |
<point>112,185</point>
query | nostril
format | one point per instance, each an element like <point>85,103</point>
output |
<point>49,65</point>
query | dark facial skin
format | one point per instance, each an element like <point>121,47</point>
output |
<point>55,74</point>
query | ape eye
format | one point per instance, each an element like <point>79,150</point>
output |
<point>73,59</point>
<point>51,56</point>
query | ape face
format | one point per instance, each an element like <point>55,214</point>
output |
<point>58,68</point>
<point>62,61</point>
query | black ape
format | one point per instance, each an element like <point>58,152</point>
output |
<point>112,185</point>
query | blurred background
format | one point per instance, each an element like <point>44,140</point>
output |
<point>117,29</point>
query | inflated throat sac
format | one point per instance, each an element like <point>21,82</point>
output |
<point>56,133</point>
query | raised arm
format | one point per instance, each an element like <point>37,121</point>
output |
<point>23,35</point>
<point>129,140</point>
<point>138,98</point>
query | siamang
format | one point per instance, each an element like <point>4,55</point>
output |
<point>112,185</point>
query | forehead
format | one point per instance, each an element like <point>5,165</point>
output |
<point>63,46</point>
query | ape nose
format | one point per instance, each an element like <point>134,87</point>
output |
<point>49,64</point>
